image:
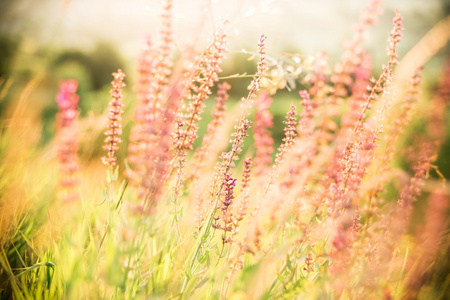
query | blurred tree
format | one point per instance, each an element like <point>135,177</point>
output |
<point>100,63</point>
<point>8,42</point>
<point>446,5</point>
<point>8,49</point>
<point>103,61</point>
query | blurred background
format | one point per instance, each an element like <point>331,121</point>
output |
<point>33,34</point>
<point>306,26</point>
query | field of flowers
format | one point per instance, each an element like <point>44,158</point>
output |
<point>194,196</point>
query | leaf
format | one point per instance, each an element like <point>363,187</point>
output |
<point>38,265</point>
<point>290,83</point>
<point>247,261</point>
<point>202,258</point>
<point>18,254</point>
<point>29,243</point>
<point>125,183</point>
<point>4,263</point>
<point>127,165</point>
<point>288,263</point>
<point>326,264</point>
<point>204,238</point>
<point>178,217</point>
<point>105,194</point>
<point>116,174</point>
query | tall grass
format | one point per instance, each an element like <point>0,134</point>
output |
<point>345,208</point>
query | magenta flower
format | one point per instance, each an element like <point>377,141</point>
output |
<point>66,98</point>
<point>67,142</point>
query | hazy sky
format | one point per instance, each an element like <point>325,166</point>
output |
<point>307,25</point>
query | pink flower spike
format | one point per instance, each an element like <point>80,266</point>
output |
<point>115,120</point>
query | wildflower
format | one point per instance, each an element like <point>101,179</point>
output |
<point>404,117</point>
<point>289,132</point>
<point>223,173</point>
<point>229,184</point>
<point>115,120</point>
<point>358,151</point>
<point>413,191</point>
<point>255,85</point>
<point>304,151</point>
<point>244,124</point>
<point>213,126</point>
<point>151,134</point>
<point>246,175</point>
<point>305,127</point>
<point>242,211</point>
<point>226,218</point>
<point>385,77</point>
<point>261,134</point>
<point>67,99</point>
<point>205,74</point>
<point>318,78</point>
<point>236,148</point>
<point>199,87</point>
<point>359,92</point>
<point>67,146</point>
<point>354,57</point>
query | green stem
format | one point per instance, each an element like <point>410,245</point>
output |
<point>111,190</point>
<point>202,240</point>
<point>110,200</point>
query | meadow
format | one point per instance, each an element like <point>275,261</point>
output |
<point>295,179</point>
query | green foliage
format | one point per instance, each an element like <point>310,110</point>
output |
<point>8,48</point>
<point>98,63</point>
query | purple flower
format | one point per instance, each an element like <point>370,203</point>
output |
<point>229,184</point>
